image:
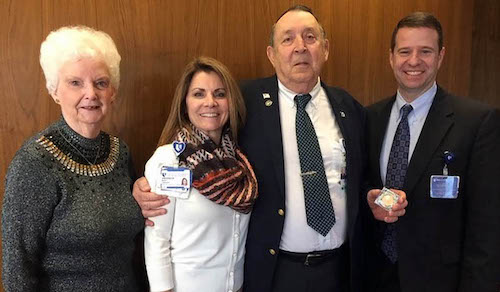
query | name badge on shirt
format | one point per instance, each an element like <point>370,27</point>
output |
<point>173,182</point>
<point>444,186</point>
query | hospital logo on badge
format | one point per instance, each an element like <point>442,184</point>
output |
<point>179,147</point>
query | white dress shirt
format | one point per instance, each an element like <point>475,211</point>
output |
<point>416,119</point>
<point>198,245</point>
<point>297,235</point>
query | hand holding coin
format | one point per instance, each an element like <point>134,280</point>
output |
<point>387,205</point>
<point>386,199</point>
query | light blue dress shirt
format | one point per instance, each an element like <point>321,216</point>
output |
<point>416,119</point>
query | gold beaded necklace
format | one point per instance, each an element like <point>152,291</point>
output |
<point>88,170</point>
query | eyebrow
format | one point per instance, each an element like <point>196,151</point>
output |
<point>71,77</point>
<point>203,89</point>
<point>423,47</point>
<point>97,78</point>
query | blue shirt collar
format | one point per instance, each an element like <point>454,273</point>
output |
<point>421,104</point>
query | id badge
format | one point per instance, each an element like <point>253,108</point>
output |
<point>444,186</point>
<point>173,181</point>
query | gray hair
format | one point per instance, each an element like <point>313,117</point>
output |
<point>71,43</point>
<point>295,8</point>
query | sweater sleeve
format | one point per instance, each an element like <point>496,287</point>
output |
<point>157,252</point>
<point>31,194</point>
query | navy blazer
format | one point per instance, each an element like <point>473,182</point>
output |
<point>447,244</point>
<point>261,140</point>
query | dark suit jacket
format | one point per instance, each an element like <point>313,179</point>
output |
<point>261,140</point>
<point>447,244</point>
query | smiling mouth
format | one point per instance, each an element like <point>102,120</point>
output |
<point>414,73</point>
<point>90,107</point>
<point>209,115</point>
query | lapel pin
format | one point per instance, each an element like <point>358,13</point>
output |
<point>269,102</point>
<point>449,157</point>
<point>342,114</point>
<point>266,95</point>
<point>179,147</point>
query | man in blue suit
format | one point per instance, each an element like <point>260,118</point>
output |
<point>283,252</point>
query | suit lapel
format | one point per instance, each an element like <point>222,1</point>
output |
<point>272,128</point>
<point>342,117</point>
<point>340,113</point>
<point>438,121</point>
<point>380,122</point>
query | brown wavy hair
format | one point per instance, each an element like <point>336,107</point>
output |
<point>416,20</point>
<point>178,117</point>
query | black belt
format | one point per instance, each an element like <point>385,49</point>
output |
<point>312,258</point>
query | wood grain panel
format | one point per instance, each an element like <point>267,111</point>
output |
<point>265,15</point>
<point>20,77</point>
<point>457,27</point>
<point>338,25</point>
<point>367,50</point>
<point>234,49</point>
<point>485,63</point>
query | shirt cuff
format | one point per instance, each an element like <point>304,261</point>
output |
<point>160,278</point>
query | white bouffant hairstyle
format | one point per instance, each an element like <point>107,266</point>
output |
<point>71,43</point>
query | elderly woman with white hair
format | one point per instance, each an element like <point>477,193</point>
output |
<point>69,219</point>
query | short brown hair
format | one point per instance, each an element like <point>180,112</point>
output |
<point>295,8</point>
<point>178,117</point>
<point>419,19</point>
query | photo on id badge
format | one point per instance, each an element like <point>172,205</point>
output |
<point>174,181</point>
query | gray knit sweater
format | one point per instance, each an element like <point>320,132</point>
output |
<point>66,228</point>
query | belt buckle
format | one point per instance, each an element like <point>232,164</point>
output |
<point>311,256</point>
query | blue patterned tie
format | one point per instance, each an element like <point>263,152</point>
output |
<point>319,208</point>
<point>395,177</point>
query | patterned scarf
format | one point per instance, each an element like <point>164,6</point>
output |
<point>220,173</point>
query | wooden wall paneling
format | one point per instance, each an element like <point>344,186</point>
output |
<point>20,37</point>
<point>485,63</point>
<point>338,31</point>
<point>456,21</point>
<point>236,37</point>
<point>367,48</point>
<point>265,14</point>
<point>57,13</point>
